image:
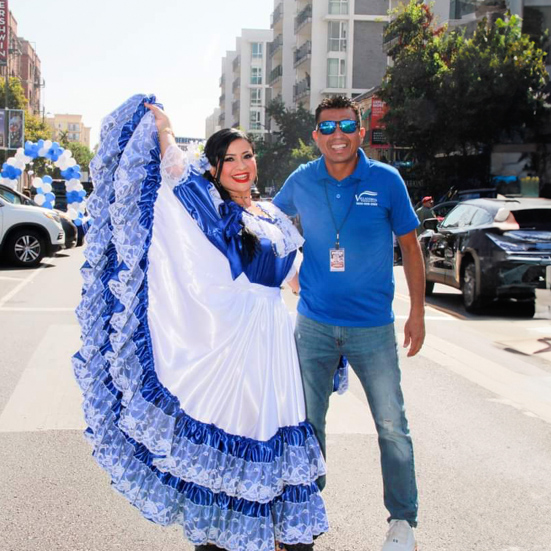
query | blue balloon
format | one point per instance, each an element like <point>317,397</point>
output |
<point>31,149</point>
<point>77,222</point>
<point>47,179</point>
<point>50,197</point>
<point>47,205</point>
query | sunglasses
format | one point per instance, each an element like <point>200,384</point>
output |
<point>328,127</point>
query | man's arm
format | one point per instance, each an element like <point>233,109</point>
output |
<point>414,269</point>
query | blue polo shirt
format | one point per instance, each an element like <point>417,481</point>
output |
<point>362,295</point>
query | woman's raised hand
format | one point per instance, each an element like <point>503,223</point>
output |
<point>164,128</point>
<point>162,122</point>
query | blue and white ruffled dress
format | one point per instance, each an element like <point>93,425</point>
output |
<point>191,384</point>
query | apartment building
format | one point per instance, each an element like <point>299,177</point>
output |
<point>212,123</point>
<point>71,127</point>
<point>337,47</point>
<point>243,83</point>
<point>23,63</point>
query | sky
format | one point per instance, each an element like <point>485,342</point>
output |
<point>97,53</point>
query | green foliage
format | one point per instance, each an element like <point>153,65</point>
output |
<point>287,148</point>
<point>36,129</point>
<point>450,93</point>
<point>16,96</point>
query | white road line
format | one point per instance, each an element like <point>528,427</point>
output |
<point>528,391</point>
<point>7,278</point>
<point>23,283</point>
<point>47,396</point>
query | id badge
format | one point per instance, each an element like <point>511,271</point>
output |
<point>336,260</point>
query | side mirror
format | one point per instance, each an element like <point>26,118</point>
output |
<point>431,224</point>
<point>502,215</point>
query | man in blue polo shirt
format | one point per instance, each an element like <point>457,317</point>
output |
<point>349,206</point>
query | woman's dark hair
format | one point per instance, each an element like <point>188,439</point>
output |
<point>215,152</point>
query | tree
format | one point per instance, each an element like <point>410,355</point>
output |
<point>281,154</point>
<point>448,93</point>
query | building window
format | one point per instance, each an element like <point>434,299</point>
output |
<point>257,50</point>
<point>256,75</point>
<point>73,126</point>
<point>256,97</point>
<point>336,73</point>
<point>254,120</point>
<point>336,34</point>
<point>338,7</point>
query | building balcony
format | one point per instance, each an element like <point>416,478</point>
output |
<point>222,81</point>
<point>235,108</point>
<point>276,74</point>
<point>303,53</point>
<point>222,119</point>
<point>277,15</point>
<point>276,45</point>
<point>303,18</point>
<point>236,63</point>
<point>222,100</point>
<point>236,84</point>
<point>301,89</point>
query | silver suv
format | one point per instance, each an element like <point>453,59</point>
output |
<point>28,233</point>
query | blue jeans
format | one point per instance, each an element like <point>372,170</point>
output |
<point>372,353</point>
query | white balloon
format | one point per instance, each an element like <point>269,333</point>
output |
<point>37,182</point>
<point>47,144</point>
<point>39,199</point>
<point>11,161</point>
<point>67,153</point>
<point>74,206</point>
<point>79,187</point>
<point>42,151</point>
<point>61,164</point>
<point>73,214</point>
<point>72,162</point>
<point>19,164</point>
<point>20,151</point>
<point>47,188</point>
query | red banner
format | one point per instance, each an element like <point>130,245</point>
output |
<point>377,136</point>
<point>4,31</point>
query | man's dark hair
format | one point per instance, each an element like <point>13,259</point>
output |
<point>338,102</point>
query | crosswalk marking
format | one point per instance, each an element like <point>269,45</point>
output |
<point>47,396</point>
<point>529,390</point>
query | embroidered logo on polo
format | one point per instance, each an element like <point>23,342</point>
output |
<point>367,199</point>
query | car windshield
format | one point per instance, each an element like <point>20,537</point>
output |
<point>10,196</point>
<point>536,219</point>
<point>14,198</point>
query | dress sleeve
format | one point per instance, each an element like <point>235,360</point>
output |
<point>174,166</point>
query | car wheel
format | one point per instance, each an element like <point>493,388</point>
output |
<point>471,299</point>
<point>429,288</point>
<point>26,248</point>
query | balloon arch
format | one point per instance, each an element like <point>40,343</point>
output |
<point>63,159</point>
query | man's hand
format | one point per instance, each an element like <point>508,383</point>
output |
<point>414,333</point>
<point>414,270</point>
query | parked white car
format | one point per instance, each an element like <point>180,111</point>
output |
<point>28,233</point>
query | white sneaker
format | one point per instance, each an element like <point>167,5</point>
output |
<point>399,537</point>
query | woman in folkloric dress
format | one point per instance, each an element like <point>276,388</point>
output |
<point>192,390</point>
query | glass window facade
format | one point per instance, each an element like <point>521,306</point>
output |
<point>256,75</point>
<point>336,35</point>
<point>256,97</point>
<point>257,50</point>
<point>336,73</point>
<point>338,7</point>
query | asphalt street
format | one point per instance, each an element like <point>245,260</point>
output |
<point>478,399</point>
